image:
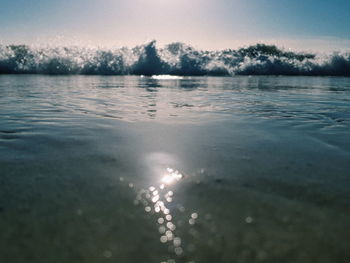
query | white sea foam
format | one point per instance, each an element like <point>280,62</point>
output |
<point>175,59</point>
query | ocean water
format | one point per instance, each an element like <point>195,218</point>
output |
<point>174,169</point>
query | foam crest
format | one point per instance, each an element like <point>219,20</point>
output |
<point>173,59</point>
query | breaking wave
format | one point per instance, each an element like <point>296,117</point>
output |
<point>173,59</point>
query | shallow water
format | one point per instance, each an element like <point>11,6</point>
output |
<point>157,169</point>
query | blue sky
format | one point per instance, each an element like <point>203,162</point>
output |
<point>210,24</point>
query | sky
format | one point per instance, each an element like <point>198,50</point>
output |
<point>207,24</point>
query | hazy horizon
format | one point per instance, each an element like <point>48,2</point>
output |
<point>209,25</point>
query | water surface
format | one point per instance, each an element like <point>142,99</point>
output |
<point>180,169</point>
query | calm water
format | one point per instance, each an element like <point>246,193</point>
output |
<point>138,169</point>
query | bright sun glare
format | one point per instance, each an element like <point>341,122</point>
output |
<point>171,176</point>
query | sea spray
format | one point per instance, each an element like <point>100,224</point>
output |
<point>173,59</point>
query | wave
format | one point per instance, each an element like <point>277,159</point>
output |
<point>173,59</point>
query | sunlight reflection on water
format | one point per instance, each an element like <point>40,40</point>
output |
<point>166,77</point>
<point>159,201</point>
